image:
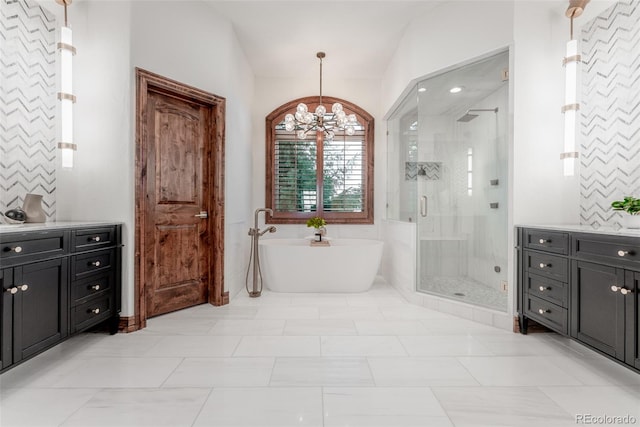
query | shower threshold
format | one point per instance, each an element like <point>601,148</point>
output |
<point>466,290</point>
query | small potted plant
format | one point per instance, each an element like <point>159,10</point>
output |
<point>630,205</point>
<point>319,224</point>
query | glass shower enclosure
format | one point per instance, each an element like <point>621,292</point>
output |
<point>448,173</point>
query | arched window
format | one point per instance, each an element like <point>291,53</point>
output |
<point>317,176</point>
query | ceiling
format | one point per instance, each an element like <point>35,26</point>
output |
<point>281,38</point>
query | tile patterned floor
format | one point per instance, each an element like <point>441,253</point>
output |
<point>316,360</point>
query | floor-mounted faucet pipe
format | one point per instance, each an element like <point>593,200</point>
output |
<point>254,256</point>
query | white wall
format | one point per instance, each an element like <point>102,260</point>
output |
<point>197,47</point>
<point>270,93</point>
<point>541,194</point>
<point>100,186</point>
<point>448,35</point>
<point>189,44</point>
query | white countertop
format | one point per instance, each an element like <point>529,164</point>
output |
<point>42,226</point>
<point>630,232</point>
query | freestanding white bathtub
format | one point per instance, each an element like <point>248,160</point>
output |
<point>292,265</point>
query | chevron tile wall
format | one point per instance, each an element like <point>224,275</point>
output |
<point>28,104</point>
<point>610,119</point>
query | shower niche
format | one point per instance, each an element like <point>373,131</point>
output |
<point>448,174</point>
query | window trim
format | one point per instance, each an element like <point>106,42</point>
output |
<point>366,119</point>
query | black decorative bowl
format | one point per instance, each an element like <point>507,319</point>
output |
<point>15,216</point>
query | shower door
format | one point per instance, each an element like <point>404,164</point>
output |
<point>457,173</point>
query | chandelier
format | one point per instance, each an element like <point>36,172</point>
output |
<point>304,121</point>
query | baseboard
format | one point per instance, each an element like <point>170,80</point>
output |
<point>128,324</point>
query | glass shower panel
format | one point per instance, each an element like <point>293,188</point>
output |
<point>447,172</point>
<point>402,156</point>
<point>462,183</point>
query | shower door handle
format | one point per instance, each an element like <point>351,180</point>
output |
<point>423,206</point>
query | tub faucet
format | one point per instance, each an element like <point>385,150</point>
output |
<point>255,230</point>
<point>254,257</point>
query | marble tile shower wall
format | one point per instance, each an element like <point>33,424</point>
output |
<point>28,103</point>
<point>610,122</point>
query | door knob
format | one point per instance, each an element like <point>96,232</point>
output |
<point>615,288</point>
<point>23,288</point>
<point>625,291</point>
<point>13,290</point>
<point>202,214</point>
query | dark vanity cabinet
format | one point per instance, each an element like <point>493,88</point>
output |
<point>545,277</point>
<point>584,285</point>
<point>56,283</point>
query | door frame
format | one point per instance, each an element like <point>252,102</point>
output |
<point>146,82</point>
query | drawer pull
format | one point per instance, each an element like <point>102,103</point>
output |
<point>95,311</point>
<point>24,288</point>
<point>543,241</point>
<point>96,287</point>
<point>13,290</point>
<point>17,249</point>
<point>543,265</point>
<point>623,253</point>
<point>95,263</point>
<point>615,288</point>
<point>625,291</point>
<point>94,239</point>
<point>542,311</point>
<point>542,289</point>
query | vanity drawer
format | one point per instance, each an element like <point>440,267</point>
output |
<point>91,313</point>
<point>92,262</point>
<point>18,248</point>
<point>548,241</point>
<point>547,314</point>
<point>552,266</point>
<point>93,238</point>
<point>92,286</point>
<point>548,289</point>
<point>619,250</point>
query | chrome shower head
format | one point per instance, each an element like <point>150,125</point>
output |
<point>468,116</point>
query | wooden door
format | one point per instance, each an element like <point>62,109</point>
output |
<point>180,196</point>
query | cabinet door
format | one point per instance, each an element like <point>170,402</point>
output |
<point>40,307</point>
<point>632,301</point>
<point>6,322</point>
<point>598,312</point>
